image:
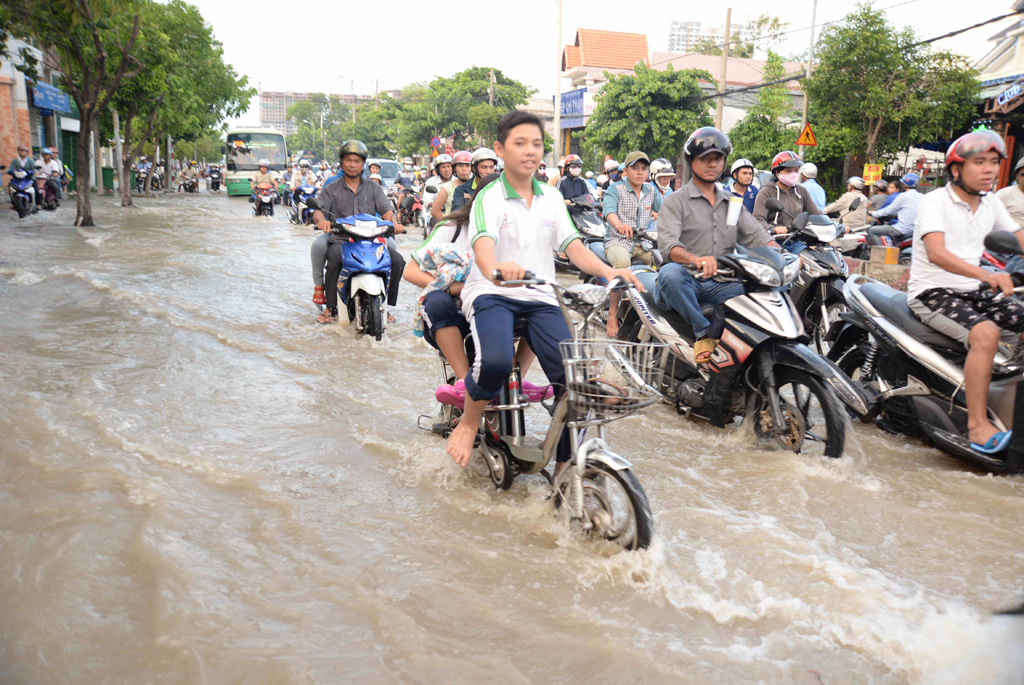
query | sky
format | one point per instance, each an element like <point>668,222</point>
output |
<point>351,46</point>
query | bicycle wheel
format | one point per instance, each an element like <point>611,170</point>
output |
<point>616,506</point>
<point>499,463</point>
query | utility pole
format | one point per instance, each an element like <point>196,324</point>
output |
<point>490,88</point>
<point>352,87</point>
<point>118,162</point>
<point>376,89</point>
<point>558,86</point>
<point>720,105</point>
<point>810,59</point>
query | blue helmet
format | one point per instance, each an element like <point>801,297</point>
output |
<point>910,180</point>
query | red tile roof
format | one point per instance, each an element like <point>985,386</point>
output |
<point>605,49</point>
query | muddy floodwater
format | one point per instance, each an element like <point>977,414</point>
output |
<point>199,484</point>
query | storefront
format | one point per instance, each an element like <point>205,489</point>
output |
<point>1003,113</point>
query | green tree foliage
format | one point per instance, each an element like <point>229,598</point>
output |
<point>881,92</point>
<point>95,42</point>
<point>650,110</point>
<point>762,36</point>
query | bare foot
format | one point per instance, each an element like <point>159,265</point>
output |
<point>460,443</point>
<point>613,327</point>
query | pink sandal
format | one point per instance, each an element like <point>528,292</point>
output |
<point>536,393</point>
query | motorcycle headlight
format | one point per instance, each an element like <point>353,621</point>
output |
<point>20,173</point>
<point>365,229</point>
<point>844,266</point>
<point>764,274</point>
<point>813,269</point>
<point>825,234</point>
<point>791,270</point>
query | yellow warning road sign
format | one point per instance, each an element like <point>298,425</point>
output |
<point>807,136</point>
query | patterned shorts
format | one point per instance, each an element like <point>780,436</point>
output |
<point>955,313</point>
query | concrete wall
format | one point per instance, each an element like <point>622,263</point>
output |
<point>15,127</point>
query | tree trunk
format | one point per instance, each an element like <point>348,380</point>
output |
<point>126,184</point>
<point>83,214</point>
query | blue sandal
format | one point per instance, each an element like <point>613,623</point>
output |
<point>997,443</point>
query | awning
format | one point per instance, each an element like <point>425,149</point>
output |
<point>48,97</point>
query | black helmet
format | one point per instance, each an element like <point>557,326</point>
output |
<point>706,140</point>
<point>353,147</point>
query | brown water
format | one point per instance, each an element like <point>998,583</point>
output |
<point>199,484</point>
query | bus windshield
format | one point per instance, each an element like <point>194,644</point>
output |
<point>245,150</point>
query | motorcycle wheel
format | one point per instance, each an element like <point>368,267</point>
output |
<point>374,319</point>
<point>616,505</point>
<point>813,415</point>
<point>499,463</point>
<point>21,206</point>
<point>833,308</point>
<point>270,208</point>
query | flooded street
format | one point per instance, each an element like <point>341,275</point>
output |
<point>200,484</point>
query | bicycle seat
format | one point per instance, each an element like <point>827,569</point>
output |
<point>681,325</point>
<point>893,305</point>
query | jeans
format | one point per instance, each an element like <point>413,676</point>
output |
<point>679,290</point>
<point>1014,264</point>
<point>877,234</point>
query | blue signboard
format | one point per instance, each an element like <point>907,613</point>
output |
<point>572,108</point>
<point>48,97</point>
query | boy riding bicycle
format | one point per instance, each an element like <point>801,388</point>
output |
<point>516,227</point>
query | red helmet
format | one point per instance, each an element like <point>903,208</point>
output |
<point>573,159</point>
<point>975,143</point>
<point>786,160</point>
<point>462,157</point>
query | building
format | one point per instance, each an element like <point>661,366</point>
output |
<point>274,107</point>
<point>683,36</point>
<point>1001,72</point>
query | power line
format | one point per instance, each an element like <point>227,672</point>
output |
<point>963,30</point>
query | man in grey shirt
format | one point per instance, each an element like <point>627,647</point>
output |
<point>693,230</point>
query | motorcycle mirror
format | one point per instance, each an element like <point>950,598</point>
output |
<point>432,189</point>
<point>801,219</point>
<point>1004,242</point>
<point>773,205</point>
<point>312,203</point>
<point>855,204</point>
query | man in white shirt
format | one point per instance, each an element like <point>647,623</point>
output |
<point>51,170</point>
<point>1012,196</point>
<point>517,225</point>
<point>944,293</point>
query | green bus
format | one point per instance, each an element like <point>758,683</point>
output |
<point>244,148</point>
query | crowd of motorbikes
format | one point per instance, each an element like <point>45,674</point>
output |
<point>26,186</point>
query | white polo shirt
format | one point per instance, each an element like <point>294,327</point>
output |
<point>941,211</point>
<point>442,234</point>
<point>527,235</point>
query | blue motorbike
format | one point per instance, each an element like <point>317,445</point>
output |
<point>365,271</point>
<point>302,213</point>
<point>23,192</point>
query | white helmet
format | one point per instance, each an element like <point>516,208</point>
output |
<point>739,164</point>
<point>304,163</point>
<point>661,167</point>
<point>481,154</point>
<point>442,159</point>
<point>602,178</point>
<point>611,165</point>
<point>265,162</point>
<point>376,177</point>
<point>590,174</point>
<point>811,171</point>
<point>855,181</point>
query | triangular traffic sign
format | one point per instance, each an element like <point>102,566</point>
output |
<point>807,136</point>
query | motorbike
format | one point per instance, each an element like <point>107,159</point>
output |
<point>140,181</point>
<point>761,371</point>
<point>914,374</point>
<point>818,289</point>
<point>47,195</point>
<point>215,179</point>
<point>189,185</point>
<point>606,380</point>
<point>585,213</point>
<point>23,192</point>
<point>410,210</point>
<point>263,200</point>
<point>302,208</point>
<point>365,271</point>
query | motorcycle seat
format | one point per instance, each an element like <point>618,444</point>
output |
<point>893,305</point>
<point>681,325</point>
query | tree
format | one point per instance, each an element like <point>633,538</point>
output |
<point>885,91</point>
<point>94,42</point>
<point>767,128</point>
<point>650,110</point>
<point>763,35</point>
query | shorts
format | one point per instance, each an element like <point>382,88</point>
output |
<point>955,312</point>
<point>620,258</point>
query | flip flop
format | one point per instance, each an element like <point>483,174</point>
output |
<point>326,317</point>
<point>318,295</point>
<point>997,443</point>
<point>536,393</point>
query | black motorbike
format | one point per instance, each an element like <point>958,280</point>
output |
<point>215,179</point>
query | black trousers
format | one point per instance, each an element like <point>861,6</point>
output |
<point>334,262</point>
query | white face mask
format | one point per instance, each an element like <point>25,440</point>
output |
<point>575,171</point>
<point>664,185</point>
<point>789,178</point>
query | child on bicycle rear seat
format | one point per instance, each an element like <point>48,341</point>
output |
<point>517,224</point>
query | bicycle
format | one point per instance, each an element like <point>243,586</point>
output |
<point>605,380</point>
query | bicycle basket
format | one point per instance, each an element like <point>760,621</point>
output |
<point>609,379</point>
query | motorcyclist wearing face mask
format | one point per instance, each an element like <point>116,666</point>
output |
<point>663,176</point>
<point>572,184</point>
<point>784,187</point>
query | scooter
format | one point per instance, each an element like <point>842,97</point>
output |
<point>263,200</point>
<point>915,373</point>
<point>47,195</point>
<point>818,290</point>
<point>410,211</point>
<point>761,370</point>
<point>189,185</point>
<point>23,192</point>
<point>302,209</point>
<point>215,177</point>
<point>365,271</point>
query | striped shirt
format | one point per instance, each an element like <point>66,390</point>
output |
<point>523,234</point>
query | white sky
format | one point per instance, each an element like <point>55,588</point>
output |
<point>345,46</point>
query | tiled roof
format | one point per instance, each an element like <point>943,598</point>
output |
<point>570,57</point>
<point>738,72</point>
<point>605,49</point>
